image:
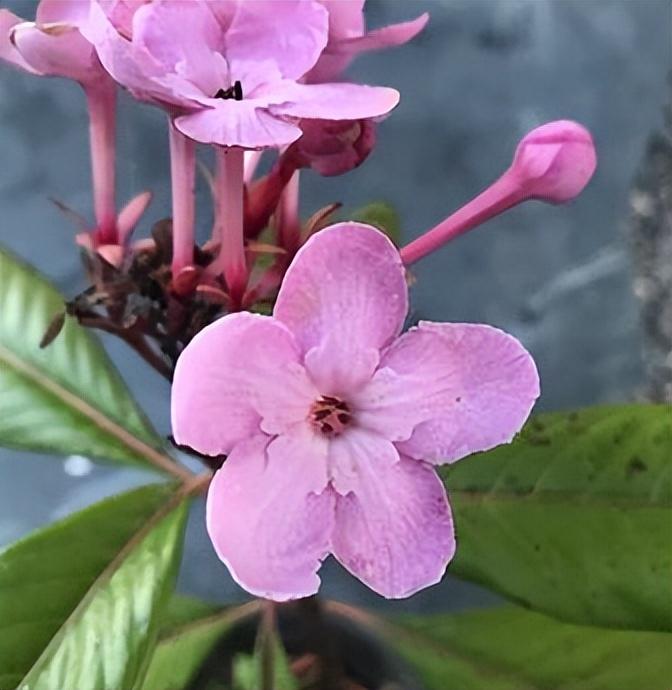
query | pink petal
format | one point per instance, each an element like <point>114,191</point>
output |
<point>344,297</point>
<point>238,375</point>
<point>8,51</point>
<point>73,12</point>
<point>270,515</point>
<point>130,215</point>
<point>395,531</point>
<point>167,32</point>
<point>346,19</point>
<point>444,391</point>
<point>131,66</point>
<point>237,123</point>
<point>385,37</point>
<point>353,453</point>
<point>332,101</point>
<point>58,50</point>
<point>290,33</point>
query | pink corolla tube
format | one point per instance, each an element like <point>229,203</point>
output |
<point>333,421</point>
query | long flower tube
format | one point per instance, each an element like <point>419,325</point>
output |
<point>101,101</point>
<point>553,163</point>
<point>183,174</point>
<point>229,194</point>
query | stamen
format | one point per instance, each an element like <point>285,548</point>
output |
<point>234,92</point>
<point>330,415</point>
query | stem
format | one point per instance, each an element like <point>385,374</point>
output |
<point>499,197</point>
<point>289,224</point>
<point>252,160</point>
<point>229,219</point>
<point>183,178</point>
<point>101,100</point>
<point>267,635</point>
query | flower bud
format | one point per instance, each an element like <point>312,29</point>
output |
<point>333,147</point>
<point>555,162</point>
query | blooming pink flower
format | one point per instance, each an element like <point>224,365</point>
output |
<point>230,71</point>
<point>332,421</point>
<point>348,38</point>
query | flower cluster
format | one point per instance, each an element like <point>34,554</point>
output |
<point>330,420</point>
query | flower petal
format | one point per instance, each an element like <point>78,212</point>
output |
<point>332,101</point>
<point>344,295</point>
<point>269,515</point>
<point>291,33</point>
<point>8,51</point>
<point>353,453</point>
<point>238,375</point>
<point>73,12</point>
<point>237,123</point>
<point>385,37</point>
<point>58,50</point>
<point>444,391</point>
<point>167,31</point>
<point>395,531</point>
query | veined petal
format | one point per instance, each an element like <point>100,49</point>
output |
<point>345,298</point>
<point>58,50</point>
<point>331,101</point>
<point>270,515</point>
<point>8,51</point>
<point>237,376</point>
<point>394,531</point>
<point>444,391</point>
<point>73,12</point>
<point>356,453</point>
<point>237,123</point>
<point>385,37</point>
<point>291,33</point>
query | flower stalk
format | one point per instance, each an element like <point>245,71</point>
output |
<point>229,220</point>
<point>288,221</point>
<point>101,101</point>
<point>183,177</point>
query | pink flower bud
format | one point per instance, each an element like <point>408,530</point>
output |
<point>333,147</point>
<point>555,162</point>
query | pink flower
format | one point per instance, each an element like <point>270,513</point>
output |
<point>348,38</point>
<point>332,421</point>
<point>230,72</point>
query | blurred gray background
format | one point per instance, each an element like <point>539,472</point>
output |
<point>483,73</point>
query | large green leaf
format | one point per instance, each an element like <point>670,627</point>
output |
<point>79,600</point>
<point>67,397</point>
<point>513,649</point>
<point>574,518</point>
<point>190,630</point>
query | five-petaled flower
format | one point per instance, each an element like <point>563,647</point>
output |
<point>332,421</point>
<point>239,84</point>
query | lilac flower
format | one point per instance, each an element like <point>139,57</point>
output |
<point>231,71</point>
<point>332,421</point>
<point>348,38</point>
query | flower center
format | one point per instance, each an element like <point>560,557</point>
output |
<point>330,415</point>
<point>235,92</point>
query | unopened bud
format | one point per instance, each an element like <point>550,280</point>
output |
<point>555,162</point>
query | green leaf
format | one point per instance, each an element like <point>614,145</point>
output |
<point>248,668</point>
<point>574,517</point>
<point>381,215</point>
<point>79,600</point>
<point>190,631</point>
<point>513,649</point>
<point>67,397</point>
